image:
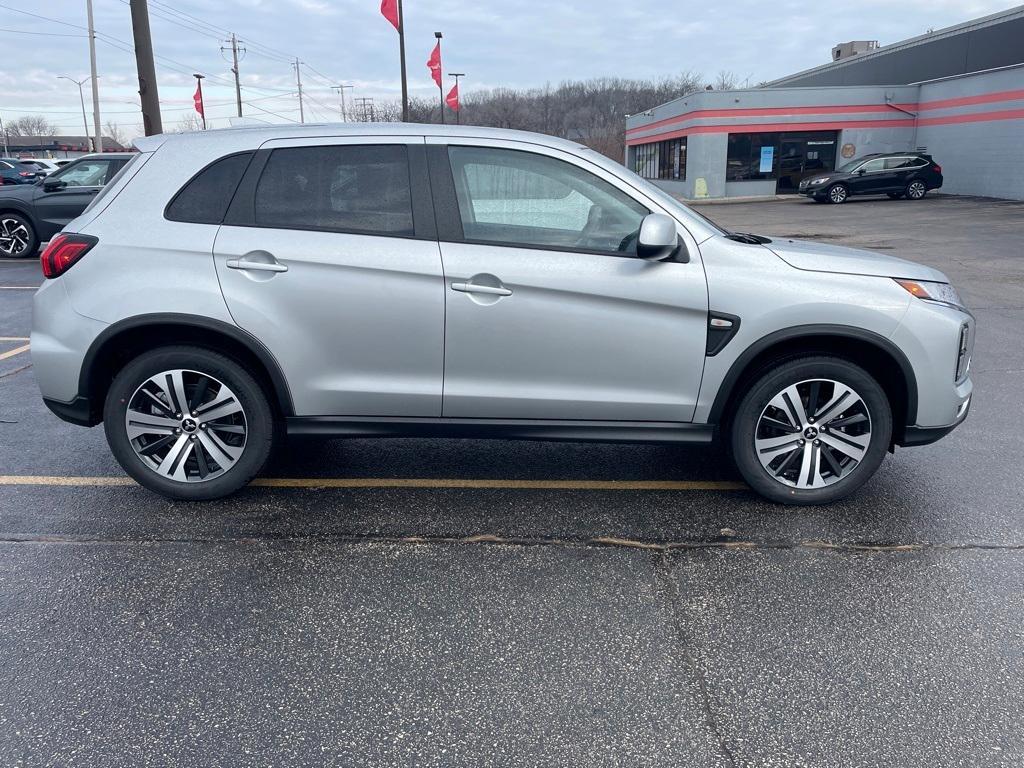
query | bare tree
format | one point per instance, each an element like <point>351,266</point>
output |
<point>31,125</point>
<point>115,132</point>
<point>725,81</point>
<point>188,122</point>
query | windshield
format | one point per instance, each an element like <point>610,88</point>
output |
<point>850,166</point>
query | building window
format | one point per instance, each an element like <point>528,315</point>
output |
<point>662,160</point>
<point>785,157</point>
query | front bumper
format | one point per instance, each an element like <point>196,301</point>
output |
<point>913,436</point>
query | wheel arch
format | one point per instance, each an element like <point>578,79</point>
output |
<point>873,352</point>
<point>119,343</point>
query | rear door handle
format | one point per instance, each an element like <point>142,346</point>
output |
<point>474,288</point>
<point>259,266</point>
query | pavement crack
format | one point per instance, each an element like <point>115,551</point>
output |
<point>673,599</point>
<point>653,546</point>
<point>14,371</point>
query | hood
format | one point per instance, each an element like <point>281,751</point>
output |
<point>24,192</point>
<point>820,257</point>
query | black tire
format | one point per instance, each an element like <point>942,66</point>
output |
<point>894,195</point>
<point>774,380</point>
<point>11,219</point>
<point>838,194</point>
<point>260,427</point>
<point>916,190</point>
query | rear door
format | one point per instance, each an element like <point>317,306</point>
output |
<point>329,256</point>
<point>550,314</point>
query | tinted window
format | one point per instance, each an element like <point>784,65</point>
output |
<point>205,199</point>
<point>512,197</point>
<point>363,189</point>
<point>873,165</point>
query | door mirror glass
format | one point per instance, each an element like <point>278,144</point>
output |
<point>658,239</point>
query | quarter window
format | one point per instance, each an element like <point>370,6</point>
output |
<point>511,197</point>
<point>360,189</point>
<point>205,199</point>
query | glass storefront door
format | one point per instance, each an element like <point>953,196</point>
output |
<point>802,155</point>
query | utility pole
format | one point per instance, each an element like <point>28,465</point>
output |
<point>458,112</point>
<point>98,136</point>
<point>298,82</point>
<point>147,70</point>
<point>341,92</point>
<point>364,102</point>
<point>234,70</point>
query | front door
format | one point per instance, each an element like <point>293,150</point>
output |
<point>335,275</point>
<point>550,314</point>
<point>65,194</point>
<point>872,178</point>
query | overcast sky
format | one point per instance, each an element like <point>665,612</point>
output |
<point>496,42</point>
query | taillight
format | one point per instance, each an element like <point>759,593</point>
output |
<point>937,168</point>
<point>63,252</point>
<point>25,173</point>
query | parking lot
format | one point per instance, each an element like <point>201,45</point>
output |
<point>457,602</point>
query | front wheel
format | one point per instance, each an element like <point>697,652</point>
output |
<point>811,430</point>
<point>17,238</point>
<point>188,423</point>
<point>838,193</point>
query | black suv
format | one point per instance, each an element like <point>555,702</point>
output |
<point>895,174</point>
<point>33,213</point>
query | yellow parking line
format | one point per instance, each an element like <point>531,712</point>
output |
<point>396,482</point>
<point>15,351</point>
<point>13,338</point>
<point>18,287</point>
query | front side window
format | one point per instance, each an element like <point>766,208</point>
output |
<point>873,165</point>
<point>87,173</point>
<point>511,197</point>
<point>350,188</point>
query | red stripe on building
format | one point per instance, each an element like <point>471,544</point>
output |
<point>966,101</point>
<point>974,117</point>
<point>831,125</point>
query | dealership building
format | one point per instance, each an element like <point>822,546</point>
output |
<point>955,93</point>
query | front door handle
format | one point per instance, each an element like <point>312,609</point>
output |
<point>493,290</point>
<point>259,266</point>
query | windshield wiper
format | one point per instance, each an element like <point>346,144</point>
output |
<point>749,239</point>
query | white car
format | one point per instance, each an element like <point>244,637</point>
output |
<point>44,165</point>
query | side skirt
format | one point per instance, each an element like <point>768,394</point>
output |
<point>503,429</point>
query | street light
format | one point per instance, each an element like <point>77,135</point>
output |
<point>458,112</point>
<point>85,123</point>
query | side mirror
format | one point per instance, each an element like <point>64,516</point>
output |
<point>861,171</point>
<point>53,186</point>
<point>658,239</point>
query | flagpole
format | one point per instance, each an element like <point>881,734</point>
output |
<point>440,87</point>
<point>458,112</point>
<point>401,48</point>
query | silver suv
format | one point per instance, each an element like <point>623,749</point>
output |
<point>230,287</point>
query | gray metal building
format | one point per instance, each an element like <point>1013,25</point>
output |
<point>957,93</point>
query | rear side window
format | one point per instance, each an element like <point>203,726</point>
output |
<point>358,189</point>
<point>205,199</point>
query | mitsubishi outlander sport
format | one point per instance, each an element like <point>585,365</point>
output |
<point>230,287</point>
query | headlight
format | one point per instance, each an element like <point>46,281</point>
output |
<point>943,293</point>
<point>822,180</point>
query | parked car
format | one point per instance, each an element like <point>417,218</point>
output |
<point>43,164</point>
<point>34,213</point>
<point>382,280</point>
<point>13,172</point>
<point>896,174</point>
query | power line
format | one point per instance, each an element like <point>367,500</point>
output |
<point>45,34</point>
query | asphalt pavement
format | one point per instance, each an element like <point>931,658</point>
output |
<point>458,602</point>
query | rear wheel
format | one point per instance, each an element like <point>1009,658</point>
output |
<point>17,238</point>
<point>916,190</point>
<point>188,423</point>
<point>811,430</point>
<point>838,193</point>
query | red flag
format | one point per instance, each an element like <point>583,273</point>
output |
<point>452,99</point>
<point>434,64</point>
<point>389,9</point>
<point>197,99</point>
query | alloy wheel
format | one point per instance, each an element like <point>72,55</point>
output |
<point>14,237</point>
<point>186,426</point>
<point>837,194</point>
<point>916,190</point>
<point>813,434</point>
